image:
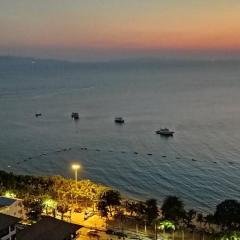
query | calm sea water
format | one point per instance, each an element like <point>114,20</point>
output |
<point>200,101</point>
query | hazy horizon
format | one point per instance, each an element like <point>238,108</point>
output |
<point>77,30</point>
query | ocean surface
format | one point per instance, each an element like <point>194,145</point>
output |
<point>199,100</point>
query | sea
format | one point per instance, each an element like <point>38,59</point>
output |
<point>199,99</point>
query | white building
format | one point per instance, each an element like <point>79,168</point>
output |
<point>8,227</point>
<point>13,207</point>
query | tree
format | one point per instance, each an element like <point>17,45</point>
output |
<point>111,198</point>
<point>140,209</point>
<point>34,208</point>
<point>62,208</point>
<point>232,235</point>
<point>209,219</point>
<point>166,225</point>
<point>102,208</point>
<point>173,208</point>
<point>151,210</point>
<point>200,218</point>
<point>227,214</point>
<point>189,216</point>
<point>131,207</point>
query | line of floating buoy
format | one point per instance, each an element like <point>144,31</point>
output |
<point>98,150</point>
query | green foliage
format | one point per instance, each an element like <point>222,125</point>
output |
<point>56,187</point>
<point>234,235</point>
<point>166,225</point>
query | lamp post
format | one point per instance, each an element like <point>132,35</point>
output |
<point>76,167</point>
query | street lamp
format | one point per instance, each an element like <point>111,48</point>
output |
<point>76,167</point>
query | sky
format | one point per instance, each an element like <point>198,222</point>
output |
<point>101,29</point>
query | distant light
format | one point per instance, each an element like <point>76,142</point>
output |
<point>76,166</point>
<point>10,194</point>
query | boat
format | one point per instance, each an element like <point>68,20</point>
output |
<point>165,132</point>
<point>75,115</point>
<point>119,120</point>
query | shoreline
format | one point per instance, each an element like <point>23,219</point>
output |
<point>56,193</point>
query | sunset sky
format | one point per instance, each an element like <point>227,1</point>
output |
<point>108,28</point>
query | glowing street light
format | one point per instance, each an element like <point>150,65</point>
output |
<point>76,167</point>
<point>10,194</point>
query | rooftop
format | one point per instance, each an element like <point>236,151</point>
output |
<point>6,221</point>
<point>48,228</point>
<point>5,201</point>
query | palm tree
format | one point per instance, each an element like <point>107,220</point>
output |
<point>173,208</point>
<point>62,208</point>
<point>200,219</point>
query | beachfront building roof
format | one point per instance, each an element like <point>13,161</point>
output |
<point>49,228</point>
<point>8,227</point>
<point>13,207</point>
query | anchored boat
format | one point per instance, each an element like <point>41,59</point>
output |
<point>119,120</point>
<point>165,132</point>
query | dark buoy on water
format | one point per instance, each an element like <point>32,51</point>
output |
<point>75,115</point>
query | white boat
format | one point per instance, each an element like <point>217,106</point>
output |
<point>165,132</point>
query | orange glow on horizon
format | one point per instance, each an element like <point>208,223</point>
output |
<point>136,25</point>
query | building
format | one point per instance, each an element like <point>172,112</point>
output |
<point>49,228</point>
<point>13,207</point>
<point>8,227</point>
